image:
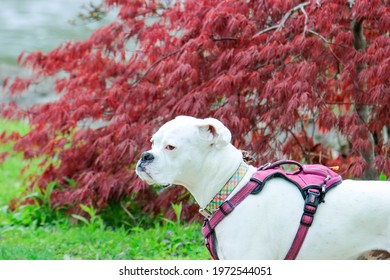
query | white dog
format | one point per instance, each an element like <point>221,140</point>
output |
<point>197,154</point>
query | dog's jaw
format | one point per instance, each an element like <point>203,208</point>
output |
<point>142,172</point>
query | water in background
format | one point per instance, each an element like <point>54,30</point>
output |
<point>29,25</point>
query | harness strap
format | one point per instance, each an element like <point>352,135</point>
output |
<point>313,196</point>
<point>225,209</point>
<point>312,200</point>
<point>297,243</point>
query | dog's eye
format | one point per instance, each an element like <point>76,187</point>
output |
<point>170,147</point>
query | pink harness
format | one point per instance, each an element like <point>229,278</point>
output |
<point>313,181</point>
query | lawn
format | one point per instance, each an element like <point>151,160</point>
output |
<point>166,241</point>
<point>10,180</point>
<point>63,239</point>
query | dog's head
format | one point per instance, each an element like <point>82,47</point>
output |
<point>180,149</point>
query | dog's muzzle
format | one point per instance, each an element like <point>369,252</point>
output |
<point>146,158</point>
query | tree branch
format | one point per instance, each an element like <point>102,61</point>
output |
<point>154,65</point>
<point>306,19</point>
<point>359,39</point>
<point>328,43</point>
<point>224,39</point>
<point>284,19</point>
<point>349,103</point>
<point>298,143</point>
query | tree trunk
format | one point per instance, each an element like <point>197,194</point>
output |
<point>362,110</point>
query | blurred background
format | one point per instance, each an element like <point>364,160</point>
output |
<point>31,25</point>
<point>28,25</point>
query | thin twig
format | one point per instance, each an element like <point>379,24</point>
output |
<point>283,20</point>
<point>319,35</point>
<point>266,30</point>
<point>127,211</point>
<point>224,39</point>
<point>154,65</point>
<point>304,132</point>
<point>298,143</point>
<point>306,19</point>
<point>328,43</point>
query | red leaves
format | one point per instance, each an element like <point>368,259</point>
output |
<point>369,9</point>
<point>282,79</point>
<point>357,167</point>
<point>19,85</point>
<point>326,120</point>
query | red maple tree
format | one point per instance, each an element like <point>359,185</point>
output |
<point>291,79</point>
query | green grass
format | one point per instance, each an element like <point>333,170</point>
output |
<point>10,181</point>
<point>65,240</point>
<point>165,241</point>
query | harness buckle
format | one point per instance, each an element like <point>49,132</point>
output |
<point>226,208</point>
<point>205,213</point>
<point>312,200</point>
<point>312,197</point>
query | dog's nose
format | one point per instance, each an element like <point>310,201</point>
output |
<point>146,156</point>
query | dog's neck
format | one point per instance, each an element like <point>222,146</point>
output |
<point>219,167</point>
<point>226,191</point>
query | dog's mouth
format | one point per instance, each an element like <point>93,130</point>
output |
<point>141,167</point>
<point>145,175</point>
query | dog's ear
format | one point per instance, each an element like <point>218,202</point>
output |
<point>214,131</point>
